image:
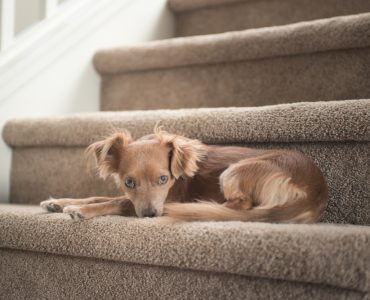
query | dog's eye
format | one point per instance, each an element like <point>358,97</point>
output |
<point>162,179</point>
<point>130,183</point>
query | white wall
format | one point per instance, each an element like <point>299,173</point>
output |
<point>71,84</point>
<point>27,12</point>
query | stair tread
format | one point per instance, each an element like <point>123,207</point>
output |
<point>345,32</point>
<point>299,122</point>
<point>126,239</point>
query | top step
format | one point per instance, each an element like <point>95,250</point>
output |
<point>318,60</point>
<point>197,17</point>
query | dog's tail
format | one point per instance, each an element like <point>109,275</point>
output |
<point>209,211</point>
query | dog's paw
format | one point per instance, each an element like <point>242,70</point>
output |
<point>51,205</point>
<point>75,212</point>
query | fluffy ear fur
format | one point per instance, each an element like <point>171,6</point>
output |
<point>184,153</point>
<point>107,153</point>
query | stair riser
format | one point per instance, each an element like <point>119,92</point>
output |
<point>118,275</point>
<point>38,172</point>
<point>331,75</point>
<point>255,14</point>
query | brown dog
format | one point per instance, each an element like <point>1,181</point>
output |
<point>166,174</point>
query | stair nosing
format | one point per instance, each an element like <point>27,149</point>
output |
<point>338,33</point>
<point>330,121</point>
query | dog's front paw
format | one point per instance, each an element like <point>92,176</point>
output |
<point>75,212</point>
<point>51,205</point>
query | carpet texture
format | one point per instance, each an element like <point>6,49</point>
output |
<point>337,33</point>
<point>334,255</point>
<point>246,68</point>
<point>196,17</point>
<point>334,75</point>
<point>298,122</point>
<point>55,277</point>
<point>335,134</point>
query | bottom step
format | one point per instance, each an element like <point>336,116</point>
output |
<point>124,258</point>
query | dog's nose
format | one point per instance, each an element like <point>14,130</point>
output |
<point>149,212</point>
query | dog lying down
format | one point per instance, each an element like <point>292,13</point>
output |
<point>163,174</point>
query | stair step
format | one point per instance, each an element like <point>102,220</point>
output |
<point>124,258</point>
<point>196,17</point>
<point>311,61</point>
<point>48,152</point>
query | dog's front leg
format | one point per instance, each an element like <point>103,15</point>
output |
<point>112,207</point>
<point>57,205</point>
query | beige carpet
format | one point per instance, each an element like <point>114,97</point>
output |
<point>48,155</point>
<point>322,255</point>
<point>319,60</point>
<point>50,276</point>
<point>195,17</point>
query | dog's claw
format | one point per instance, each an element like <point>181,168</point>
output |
<point>74,212</point>
<point>51,206</point>
<point>54,208</point>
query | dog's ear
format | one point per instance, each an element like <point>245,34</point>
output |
<point>184,153</point>
<point>108,153</point>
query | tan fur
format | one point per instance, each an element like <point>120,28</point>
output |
<point>111,207</point>
<point>233,183</point>
<point>207,211</point>
<point>186,153</point>
<point>107,152</point>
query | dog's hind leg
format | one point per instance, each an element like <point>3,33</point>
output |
<point>243,182</point>
<point>57,205</point>
<point>267,189</point>
<point>112,207</point>
<point>273,187</point>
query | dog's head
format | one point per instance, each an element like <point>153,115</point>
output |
<point>147,168</point>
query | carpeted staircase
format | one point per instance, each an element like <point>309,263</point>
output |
<point>196,17</point>
<point>320,60</point>
<point>314,77</point>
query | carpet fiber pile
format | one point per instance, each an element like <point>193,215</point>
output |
<point>314,78</point>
